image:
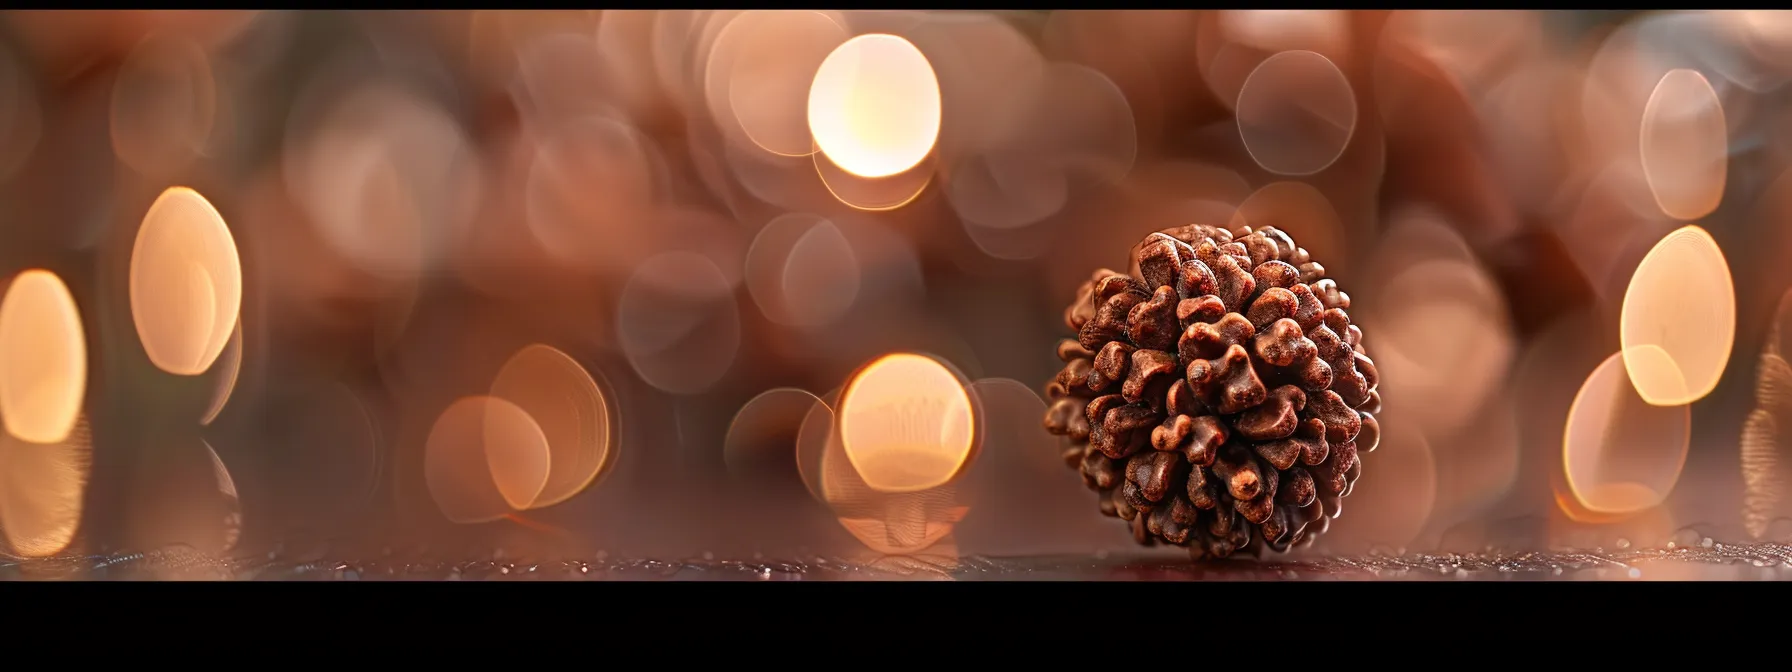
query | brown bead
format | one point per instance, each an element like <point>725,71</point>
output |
<point>1110,321</point>
<point>1281,344</point>
<point>1276,526</point>
<point>1101,471</point>
<point>1203,488</point>
<point>1098,408</point>
<point>1180,399</point>
<point>1244,479</point>
<point>1272,304</point>
<point>1366,366</point>
<point>1211,394</point>
<point>1283,241</point>
<point>1276,418</point>
<point>1159,257</point>
<point>1152,324</point>
<point>1122,504</point>
<point>1309,312</point>
<point>1256,511</point>
<point>1341,422</point>
<point>1369,437</point>
<point>1275,274</point>
<point>1224,517</point>
<point>1070,350</point>
<point>1311,271</point>
<point>1260,250</point>
<point>1297,488</point>
<point>1149,378</point>
<point>1203,309</point>
<point>1228,384</point>
<point>1071,381</point>
<point>1331,476</point>
<point>1194,280</point>
<point>1327,291</point>
<point>1059,415</point>
<point>1239,253</point>
<point>1204,441</point>
<point>1232,284</point>
<point>1163,523</point>
<point>1109,366</point>
<point>1134,496</point>
<point>1157,474</point>
<point>1209,341</point>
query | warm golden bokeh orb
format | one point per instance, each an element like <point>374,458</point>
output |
<point>43,358</point>
<point>484,458</point>
<point>1681,302</point>
<point>1620,453</point>
<point>906,423</point>
<point>572,412</point>
<point>874,106</point>
<point>186,283</point>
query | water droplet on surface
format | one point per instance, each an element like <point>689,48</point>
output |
<point>1623,543</point>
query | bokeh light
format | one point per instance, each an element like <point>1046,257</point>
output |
<point>802,271</point>
<point>186,283</point>
<point>1623,454</point>
<point>164,103</point>
<point>1679,319</point>
<point>874,106</point>
<point>43,358</point>
<point>768,65</point>
<point>486,457</point>
<point>906,423</point>
<point>678,323</point>
<point>494,282</point>
<point>1685,145</point>
<point>763,437</point>
<point>572,411</point>
<point>1296,113</point>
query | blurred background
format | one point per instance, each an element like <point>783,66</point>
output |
<point>573,282</point>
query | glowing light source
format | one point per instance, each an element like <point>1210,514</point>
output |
<point>906,423</point>
<point>1620,454</point>
<point>43,358</point>
<point>1678,321</point>
<point>874,106</point>
<point>186,283</point>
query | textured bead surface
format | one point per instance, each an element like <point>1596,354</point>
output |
<point>1217,395</point>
